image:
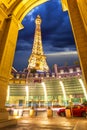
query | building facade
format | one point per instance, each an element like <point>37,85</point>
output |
<point>61,87</point>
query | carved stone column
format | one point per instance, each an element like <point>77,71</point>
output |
<point>8,40</point>
<point>80,35</point>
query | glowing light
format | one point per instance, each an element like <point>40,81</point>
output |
<point>27,93</point>
<point>63,53</point>
<point>83,87</point>
<point>45,92</point>
<point>37,52</point>
<point>63,89</point>
<point>8,93</point>
<point>59,76</point>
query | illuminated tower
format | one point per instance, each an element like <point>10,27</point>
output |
<point>37,58</point>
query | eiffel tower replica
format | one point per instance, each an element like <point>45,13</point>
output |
<point>37,60</point>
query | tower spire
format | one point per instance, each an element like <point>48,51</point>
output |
<point>37,58</point>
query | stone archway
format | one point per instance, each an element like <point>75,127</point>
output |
<point>11,14</point>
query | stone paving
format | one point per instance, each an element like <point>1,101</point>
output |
<point>42,122</point>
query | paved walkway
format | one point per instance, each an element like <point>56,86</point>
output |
<point>38,123</point>
<point>81,125</point>
<point>41,122</point>
<point>55,123</point>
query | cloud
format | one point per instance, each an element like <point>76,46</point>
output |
<point>59,58</point>
<point>23,45</point>
<point>55,27</point>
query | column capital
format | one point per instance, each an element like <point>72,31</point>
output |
<point>3,16</point>
<point>64,5</point>
<point>2,13</point>
<point>4,79</point>
<point>13,17</point>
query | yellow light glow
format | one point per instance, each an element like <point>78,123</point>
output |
<point>37,58</point>
<point>27,93</point>
<point>63,89</point>
<point>8,93</point>
<point>83,87</point>
<point>45,92</point>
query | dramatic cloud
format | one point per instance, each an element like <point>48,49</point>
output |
<point>56,31</point>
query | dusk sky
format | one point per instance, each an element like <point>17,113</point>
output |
<point>56,34</point>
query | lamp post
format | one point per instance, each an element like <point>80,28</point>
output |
<point>8,94</point>
<point>27,89</point>
<point>27,95</point>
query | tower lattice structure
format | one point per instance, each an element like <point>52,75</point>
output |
<point>37,58</point>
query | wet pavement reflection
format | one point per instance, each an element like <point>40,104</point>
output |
<point>42,122</point>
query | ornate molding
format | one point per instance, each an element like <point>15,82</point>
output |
<point>2,17</point>
<point>7,3</point>
<point>13,17</point>
<point>64,5</point>
<point>83,11</point>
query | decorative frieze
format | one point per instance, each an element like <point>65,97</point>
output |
<point>83,10</point>
<point>8,3</point>
<point>2,17</point>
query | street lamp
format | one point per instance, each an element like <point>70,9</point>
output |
<point>27,88</point>
<point>45,92</point>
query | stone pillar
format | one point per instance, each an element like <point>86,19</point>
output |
<point>8,43</point>
<point>80,35</point>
